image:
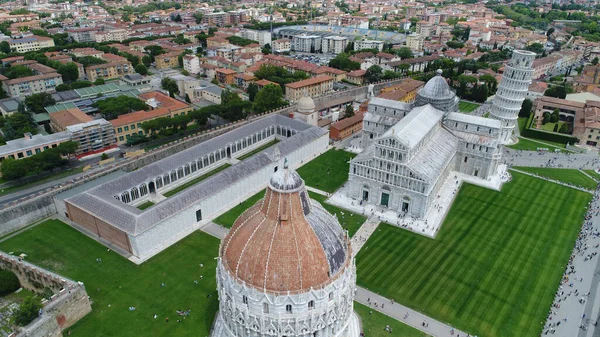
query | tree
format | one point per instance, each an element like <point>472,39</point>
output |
<point>14,168</point>
<point>67,149</point>
<point>104,156</point>
<point>187,98</point>
<point>185,73</point>
<point>554,116</point>
<point>37,102</point>
<point>342,61</point>
<point>141,69</point>
<point>99,81</point>
<point>595,61</point>
<point>546,117</point>
<point>9,283</point>
<point>525,108</point>
<point>147,60</point>
<point>80,84</point>
<point>18,72</point>
<point>169,85</point>
<point>252,91</point>
<point>550,31</point>
<point>536,47</point>
<point>268,98</point>
<point>557,91</point>
<point>404,53</point>
<point>28,311</point>
<point>113,107</point>
<point>564,128</point>
<point>480,94</point>
<point>69,71</point>
<point>62,87</point>
<point>200,117</point>
<point>349,112</point>
<point>266,49</point>
<point>455,44</point>
<point>373,74</point>
<point>5,47</point>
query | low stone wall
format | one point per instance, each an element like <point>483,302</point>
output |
<point>16,217</point>
<point>68,305</point>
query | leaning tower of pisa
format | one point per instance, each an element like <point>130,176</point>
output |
<point>511,91</point>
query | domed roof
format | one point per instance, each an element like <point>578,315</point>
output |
<point>305,104</point>
<point>437,88</point>
<point>286,241</point>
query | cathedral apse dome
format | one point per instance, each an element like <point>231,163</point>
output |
<point>286,268</point>
<point>438,93</point>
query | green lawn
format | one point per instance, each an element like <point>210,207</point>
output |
<point>550,126</point>
<point>350,221</point>
<point>116,284</point>
<point>327,172</point>
<point>228,218</point>
<point>467,106</point>
<point>373,325</point>
<point>59,175</point>
<point>494,267</point>
<point>260,149</point>
<point>527,144</point>
<point>195,181</point>
<point>569,176</point>
<point>145,205</point>
<point>593,174</point>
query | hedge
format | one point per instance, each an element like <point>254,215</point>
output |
<point>543,135</point>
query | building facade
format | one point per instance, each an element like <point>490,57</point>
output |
<point>368,44</point>
<point>25,86</point>
<point>311,87</point>
<point>512,91</point>
<point>31,43</point>
<point>334,44</point>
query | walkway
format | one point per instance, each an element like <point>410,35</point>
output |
<point>405,315</point>
<point>553,181</point>
<point>318,191</point>
<point>363,234</point>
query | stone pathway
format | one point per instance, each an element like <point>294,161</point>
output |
<point>405,315</point>
<point>215,230</point>
<point>363,234</point>
<point>312,189</point>
<point>553,181</point>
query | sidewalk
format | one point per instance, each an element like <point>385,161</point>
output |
<point>398,312</point>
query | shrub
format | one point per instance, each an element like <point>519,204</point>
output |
<point>9,282</point>
<point>28,311</point>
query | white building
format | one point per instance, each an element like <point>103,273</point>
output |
<point>307,43</point>
<point>415,42</point>
<point>262,36</point>
<point>191,63</point>
<point>281,46</point>
<point>267,289</point>
<point>334,44</point>
<point>110,212</point>
<point>512,91</point>
<point>368,44</point>
<point>112,35</point>
<point>410,151</point>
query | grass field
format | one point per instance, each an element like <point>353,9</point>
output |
<point>145,205</point>
<point>327,172</point>
<point>116,284</point>
<point>374,324</point>
<point>228,218</point>
<point>569,176</point>
<point>550,126</point>
<point>467,106</point>
<point>494,267</point>
<point>195,181</point>
<point>531,145</point>
<point>350,221</point>
<point>593,174</point>
<point>262,148</point>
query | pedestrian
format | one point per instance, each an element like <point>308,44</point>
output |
<point>167,319</point>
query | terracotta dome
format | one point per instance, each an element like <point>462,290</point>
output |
<point>286,241</point>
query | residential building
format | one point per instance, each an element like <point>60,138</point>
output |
<point>281,46</point>
<point>30,145</point>
<point>307,43</point>
<point>334,44</point>
<point>112,35</point>
<point>25,86</point>
<point>311,87</point>
<point>337,74</point>
<point>368,44</point>
<point>109,70</point>
<point>168,60</point>
<point>405,91</point>
<point>263,37</point>
<point>83,34</point>
<point>94,136</point>
<point>587,124</point>
<point>415,42</point>
<point>61,119</point>
<point>425,29</point>
<point>226,76</point>
<point>356,76</point>
<point>191,63</point>
<point>31,43</point>
<point>346,127</point>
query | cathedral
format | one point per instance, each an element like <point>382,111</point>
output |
<point>410,149</point>
<point>286,269</point>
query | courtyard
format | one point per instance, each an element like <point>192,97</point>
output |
<point>115,284</point>
<point>327,172</point>
<point>467,107</point>
<point>494,267</point>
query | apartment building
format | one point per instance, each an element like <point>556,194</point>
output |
<point>307,43</point>
<point>93,137</point>
<point>334,44</point>
<point>281,46</point>
<point>191,63</point>
<point>109,70</point>
<point>83,34</point>
<point>168,60</point>
<point>425,28</point>
<point>311,87</point>
<point>112,35</point>
<point>263,37</point>
<point>32,144</point>
<point>368,44</point>
<point>415,42</point>
<point>31,43</point>
<point>60,120</point>
<point>225,75</point>
<point>32,84</point>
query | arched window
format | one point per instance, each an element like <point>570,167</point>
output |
<point>266,308</point>
<point>311,305</point>
<point>173,176</point>
<point>158,182</point>
<point>194,167</point>
<point>143,190</point>
<point>187,169</point>
<point>180,172</point>
<point>245,299</point>
<point>125,197</point>
<point>134,193</point>
<point>288,309</point>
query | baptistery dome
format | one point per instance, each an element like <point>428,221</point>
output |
<point>438,93</point>
<point>305,104</point>
<point>286,268</point>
